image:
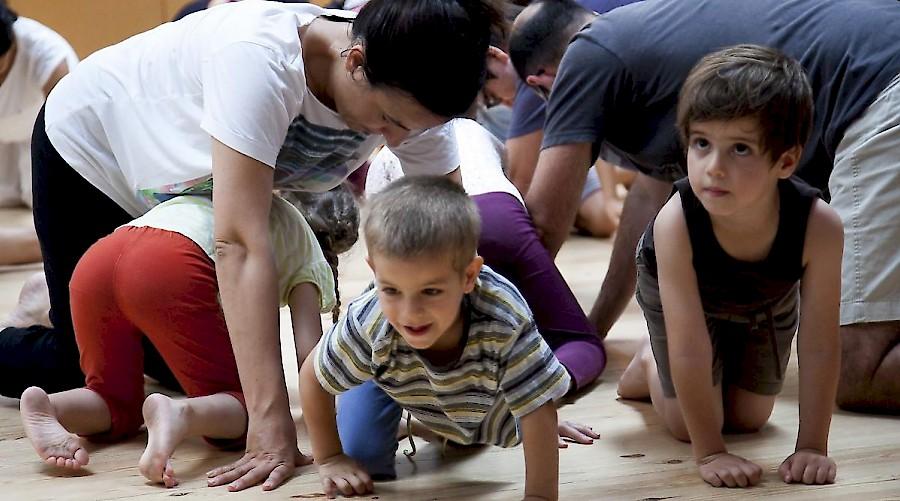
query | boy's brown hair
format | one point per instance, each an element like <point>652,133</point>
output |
<point>420,216</point>
<point>750,81</point>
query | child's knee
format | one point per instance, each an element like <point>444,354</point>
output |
<point>679,431</point>
<point>675,422</point>
<point>747,412</point>
<point>745,424</point>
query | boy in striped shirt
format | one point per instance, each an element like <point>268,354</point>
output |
<point>440,336</point>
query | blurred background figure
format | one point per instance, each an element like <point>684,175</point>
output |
<point>32,59</point>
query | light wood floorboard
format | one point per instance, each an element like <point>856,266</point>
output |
<point>634,460</point>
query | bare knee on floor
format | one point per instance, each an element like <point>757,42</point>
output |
<point>593,218</point>
<point>745,411</point>
<point>674,420</point>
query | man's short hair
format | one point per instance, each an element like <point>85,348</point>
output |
<point>541,39</point>
<point>420,216</point>
<point>750,81</point>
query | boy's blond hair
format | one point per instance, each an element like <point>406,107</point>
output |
<point>422,215</point>
<point>750,81</point>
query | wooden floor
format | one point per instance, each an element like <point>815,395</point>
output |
<point>634,460</point>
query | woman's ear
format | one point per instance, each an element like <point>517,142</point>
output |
<point>354,58</point>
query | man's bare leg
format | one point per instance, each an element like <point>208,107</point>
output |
<point>870,368</point>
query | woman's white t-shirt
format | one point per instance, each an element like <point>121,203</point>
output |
<point>39,51</point>
<point>481,157</point>
<point>135,119</point>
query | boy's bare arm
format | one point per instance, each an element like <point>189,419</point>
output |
<point>818,346</point>
<point>539,439</point>
<point>690,350</point>
<point>318,413</point>
<point>338,472</point>
<point>690,353</point>
<point>305,319</point>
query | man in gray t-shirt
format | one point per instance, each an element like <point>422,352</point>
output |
<point>616,88</point>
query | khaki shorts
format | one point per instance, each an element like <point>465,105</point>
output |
<point>865,192</point>
<point>742,356</point>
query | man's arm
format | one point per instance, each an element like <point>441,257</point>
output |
<point>539,439</point>
<point>522,154</point>
<point>245,268</point>
<point>555,192</point>
<point>644,200</point>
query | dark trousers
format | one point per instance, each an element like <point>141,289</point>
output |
<point>70,214</point>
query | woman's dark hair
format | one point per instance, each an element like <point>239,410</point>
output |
<point>334,218</point>
<point>434,50</point>
<point>7,18</point>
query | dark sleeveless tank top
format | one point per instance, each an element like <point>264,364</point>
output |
<point>728,285</point>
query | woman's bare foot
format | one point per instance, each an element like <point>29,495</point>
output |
<point>53,443</point>
<point>166,421</point>
<point>33,307</point>
<point>633,384</point>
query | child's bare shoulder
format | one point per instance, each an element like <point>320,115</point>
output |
<point>670,225</point>
<point>824,231</point>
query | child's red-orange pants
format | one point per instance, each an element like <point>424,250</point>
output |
<point>156,283</point>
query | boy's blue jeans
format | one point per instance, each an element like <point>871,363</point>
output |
<point>367,420</point>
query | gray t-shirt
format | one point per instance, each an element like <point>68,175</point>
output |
<point>619,80</point>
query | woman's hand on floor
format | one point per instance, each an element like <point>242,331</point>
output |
<point>270,458</point>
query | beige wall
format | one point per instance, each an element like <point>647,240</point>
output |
<point>93,24</point>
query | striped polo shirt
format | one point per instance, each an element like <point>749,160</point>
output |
<point>505,371</point>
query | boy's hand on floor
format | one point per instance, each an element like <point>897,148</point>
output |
<point>727,470</point>
<point>341,474</point>
<point>808,466</point>
<point>570,431</point>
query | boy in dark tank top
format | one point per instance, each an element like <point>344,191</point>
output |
<point>737,255</point>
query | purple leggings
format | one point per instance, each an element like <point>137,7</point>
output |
<point>510,246</point>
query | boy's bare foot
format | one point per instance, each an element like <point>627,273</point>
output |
<point>166,421</point>
<point>53,443</point>
<point>33,307</point>
<point>633,384</point>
